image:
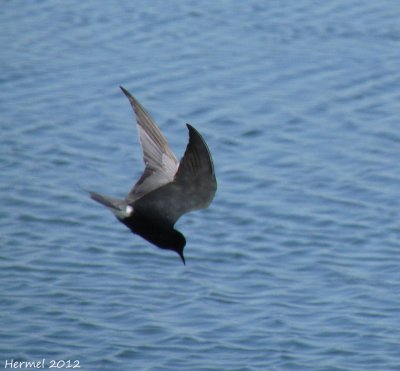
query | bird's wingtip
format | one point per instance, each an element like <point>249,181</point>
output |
<point>131,98</point>
<point>191,128</point>
<point>193,133</point>
<point>126,92</point>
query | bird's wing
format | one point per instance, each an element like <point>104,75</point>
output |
<point>161,163</point>
<point>193,187</point>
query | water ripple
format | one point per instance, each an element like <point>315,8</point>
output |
<point>294,265</point>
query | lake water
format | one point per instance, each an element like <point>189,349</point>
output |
<point>295,266</point>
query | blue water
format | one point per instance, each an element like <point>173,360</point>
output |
<point>295,266</point>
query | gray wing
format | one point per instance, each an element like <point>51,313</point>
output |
<point>161,163</point>
<point>193,188</point>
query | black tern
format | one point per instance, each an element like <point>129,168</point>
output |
<point>167,188</point>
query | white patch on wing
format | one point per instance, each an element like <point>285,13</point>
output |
<point>150,149</point>
<point>170,167</point>
<point>128,210</point>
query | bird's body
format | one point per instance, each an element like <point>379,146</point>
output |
<point>167,188</point>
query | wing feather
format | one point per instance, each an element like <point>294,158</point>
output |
<point>161,164</point>
<point>193,187</point>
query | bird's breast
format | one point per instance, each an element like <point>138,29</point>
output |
<point>151,229</point>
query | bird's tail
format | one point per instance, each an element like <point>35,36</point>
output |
<point>118,207</point>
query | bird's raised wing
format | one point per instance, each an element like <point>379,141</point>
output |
<point>193,187</point>
<point>161,163</point>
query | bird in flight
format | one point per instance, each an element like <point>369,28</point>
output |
<point>167,188</point>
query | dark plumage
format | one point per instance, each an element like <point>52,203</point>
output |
<point>167,188</point>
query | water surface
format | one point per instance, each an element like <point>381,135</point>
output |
<point>295,266</point>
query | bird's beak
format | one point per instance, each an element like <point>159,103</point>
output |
<point>183,258</point>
